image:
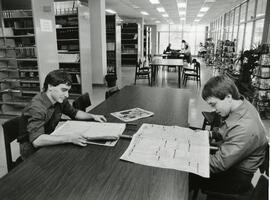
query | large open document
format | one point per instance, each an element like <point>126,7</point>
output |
<point>98,133</point>
<point>171,147</point>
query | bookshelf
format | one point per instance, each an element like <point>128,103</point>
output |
<point>261,84</point>
<point>19,76</point>
<point>113,46</point>
<point>130,44</point>
<point>73,44</point>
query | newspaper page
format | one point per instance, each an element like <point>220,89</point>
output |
<point>132,114</point>
<point>106,134</point>
<point>170,147</point>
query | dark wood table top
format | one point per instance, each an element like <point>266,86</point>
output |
<point>69,172</point>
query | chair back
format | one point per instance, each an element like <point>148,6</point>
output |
<point>260,191</point>
<point>12,130</point>
<point>82,102</point>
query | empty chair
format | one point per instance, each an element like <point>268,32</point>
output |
<point>111,92</point>
<point>82,102</point>
<point>142,72</point>
<point>13,130</point>
<point>194,74</point>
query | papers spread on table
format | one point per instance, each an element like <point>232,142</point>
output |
<point>132,114</point>
<point>170,147</point>
<point>106,134</point>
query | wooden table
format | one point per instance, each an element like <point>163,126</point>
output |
<point>166,62</point>
<point>70,172</point>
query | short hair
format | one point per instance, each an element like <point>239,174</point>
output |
<point>55,78</point>
<point>220,87</point>
<point>183,41</point>
<point>194,60</point>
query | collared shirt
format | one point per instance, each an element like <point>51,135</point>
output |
<point>244,141</point>
<point>43,117</point>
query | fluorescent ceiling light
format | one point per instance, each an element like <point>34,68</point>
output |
<point>165,15</point>
<point>110,11</point>
<point>204,9</point>
<point>182,12</point>
<point>157,21</point>
<point>182,18</point>
<point>144,13</point>
<point>154,1</point>
<point>200,15</point>
<point>181,5</point>
<point>210,1</point>
<point>160,9</point>
<point>196,20</point>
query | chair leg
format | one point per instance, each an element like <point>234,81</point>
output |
<point>149,83</point>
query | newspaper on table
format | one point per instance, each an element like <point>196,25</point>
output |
<point>171,147</point>
<point>132,114</point>
<point>106,134</point>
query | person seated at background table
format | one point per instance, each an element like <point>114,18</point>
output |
<point>241,137</point>
<point>168,49</point>
<point>45,111</point>
<point>187,54</point>
<point>201,51</point>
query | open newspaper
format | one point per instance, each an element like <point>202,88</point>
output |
<point>106,134</point>
<point>170,147</point>
<point>132,114</point>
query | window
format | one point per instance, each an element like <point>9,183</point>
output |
<point>261,6</point>
<point>248,35</point>
<point>236,16</point>
<point>251,10</point>
<point>258,32</point>
<point>240,37</point>
<point>243,12</point>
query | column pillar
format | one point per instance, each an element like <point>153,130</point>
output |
<point>98,40</point>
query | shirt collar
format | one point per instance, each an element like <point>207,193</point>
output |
<point>237,113</point>
<point>46,100</point>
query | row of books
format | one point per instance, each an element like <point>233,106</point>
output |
<point>16,13</point>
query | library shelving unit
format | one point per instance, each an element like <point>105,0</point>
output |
<point>130,44</point>
<point>73,36</point>
<point>262,85</point>
<point>113,44</point>
<point>19,75</point>
<point>147,41</point>
<point>209,56</point>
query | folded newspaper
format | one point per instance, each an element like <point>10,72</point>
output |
<point>106,134</point>
<point>132,114</point>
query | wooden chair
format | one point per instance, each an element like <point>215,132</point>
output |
<point>142,72</point>
<point>82,102</point>
<point>260,191</point>
<point>111,92</point>
<point>12,131</point>
<point>193,74</point>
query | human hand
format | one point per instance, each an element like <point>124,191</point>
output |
<point>99,118</point>
<point>77,139</point>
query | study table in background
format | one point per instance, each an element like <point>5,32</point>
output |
<point>68,172</point>
<point>166,62</point>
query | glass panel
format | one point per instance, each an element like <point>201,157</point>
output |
<point>235,29</point>
<point>240,38</point>
<point>258,32</point>
<point>251,9</point>
<point>243,12</point>
<point>248,35</point>
<point>163,41</point>
<point>236,16</point>
<point>261,6</point>
<point>175,39</point>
